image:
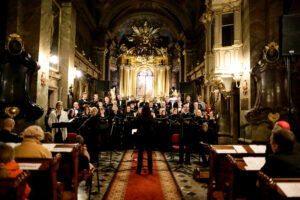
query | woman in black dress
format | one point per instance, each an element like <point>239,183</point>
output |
<point>145,136</point>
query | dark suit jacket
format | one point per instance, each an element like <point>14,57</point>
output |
<point>191,105</point>
<point>282,165</point>
<point>169,105</point>
<point>6,136</point>
<point>81,102</point>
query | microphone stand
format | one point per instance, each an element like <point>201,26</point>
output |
<point>181,168</point>
<point>110,166</point>
<point>83,124</point>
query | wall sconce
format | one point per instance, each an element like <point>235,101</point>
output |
<point>53,59</point>
<point>78,73</point>
<point>43,79</point>
<point>223,84</point>
<point>237,77</point>
<point>227,81</point>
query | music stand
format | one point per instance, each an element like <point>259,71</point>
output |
<point>111,166</point>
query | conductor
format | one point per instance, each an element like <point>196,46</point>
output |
<point>145,136</point>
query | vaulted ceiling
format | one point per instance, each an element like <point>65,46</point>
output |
<point>179,17</point>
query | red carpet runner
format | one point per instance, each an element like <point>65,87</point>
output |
<point>130,186</point>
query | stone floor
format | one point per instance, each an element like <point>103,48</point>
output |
<point>190,189</point>
<point>107,170</point>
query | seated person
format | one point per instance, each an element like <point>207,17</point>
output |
<point>12,168</point>
<point>6,135</point>
<point>277,125</point>
<point>3,172</point>
<point>48,138</point>
<point>84,156</point>
<point>283,162</point>
<point>31,147</point>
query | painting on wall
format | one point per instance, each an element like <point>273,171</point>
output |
<point>144,83</point>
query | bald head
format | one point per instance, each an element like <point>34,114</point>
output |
<point>8,124</point>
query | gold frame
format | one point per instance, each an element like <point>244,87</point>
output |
<point>59,33</point>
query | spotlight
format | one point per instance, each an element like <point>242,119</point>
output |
<point>53,59</point>
<point>78,73</point>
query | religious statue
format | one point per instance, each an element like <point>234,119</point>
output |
<point>113,93</point>
<point>16,69</point>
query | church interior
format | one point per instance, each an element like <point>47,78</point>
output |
<point>149,99</point>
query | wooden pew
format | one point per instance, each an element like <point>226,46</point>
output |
<point>13,188</point>
<point>242,181</point>
<point>68,170</point>
<point>220,170</point>
<point>43,181</point>
<point>270,188</point>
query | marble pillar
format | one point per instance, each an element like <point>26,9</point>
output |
<point>188,62</point>
<point>67,50</point>
<point>99,53</point>
<point>43,58</point>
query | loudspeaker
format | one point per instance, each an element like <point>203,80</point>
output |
<point>186,87</point>
<point>290,35</point>
<point>102,85</point>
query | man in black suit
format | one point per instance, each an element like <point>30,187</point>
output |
<point>143,102</point>
<point>188,102</point>
<point>83,100</point>
<point>283,162</point>
<point>95,101</point>
<point>206,136</point>
<point>77,109</point>
<point>186,137</point>
<point>121,103</point>
<point>6,135</point>
<point>168,103</point>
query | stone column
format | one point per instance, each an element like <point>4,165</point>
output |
<point>67,49</point>
<point>43,58</point>
<point>99,53</point>
<point>188,62</point>
<point>218,30</point>
<point>237,25</point>
<point>167,80</point>
<point>121,81</point>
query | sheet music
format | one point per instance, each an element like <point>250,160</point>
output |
<point>30,166</point>
<point>13,145</point>
<point>254,163</point>
<point>225,151</point>
<point>61,150</point>
<point>49,146</point>
<point>239,149</point>
<point>258,148</point>
<point>290,189</point>
<point>133,131</point>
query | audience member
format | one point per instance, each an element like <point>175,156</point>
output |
<point>6,134</point>
<point>31,147</point>
<point>3,172</point>
<point>48,138</point>
<point>283,162</point>
<point>12,168</point>
<point>84,156</point>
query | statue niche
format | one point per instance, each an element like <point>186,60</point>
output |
<point>270,79</point>
<point>16,68</point>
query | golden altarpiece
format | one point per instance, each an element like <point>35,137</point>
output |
<point>144,69</point>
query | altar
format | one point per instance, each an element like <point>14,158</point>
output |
<point>149,79</point>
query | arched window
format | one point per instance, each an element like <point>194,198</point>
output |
<point>144,84</point>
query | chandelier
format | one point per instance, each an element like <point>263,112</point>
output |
<point>146,43</point>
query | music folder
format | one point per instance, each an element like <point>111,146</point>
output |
<point>61,125</point>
